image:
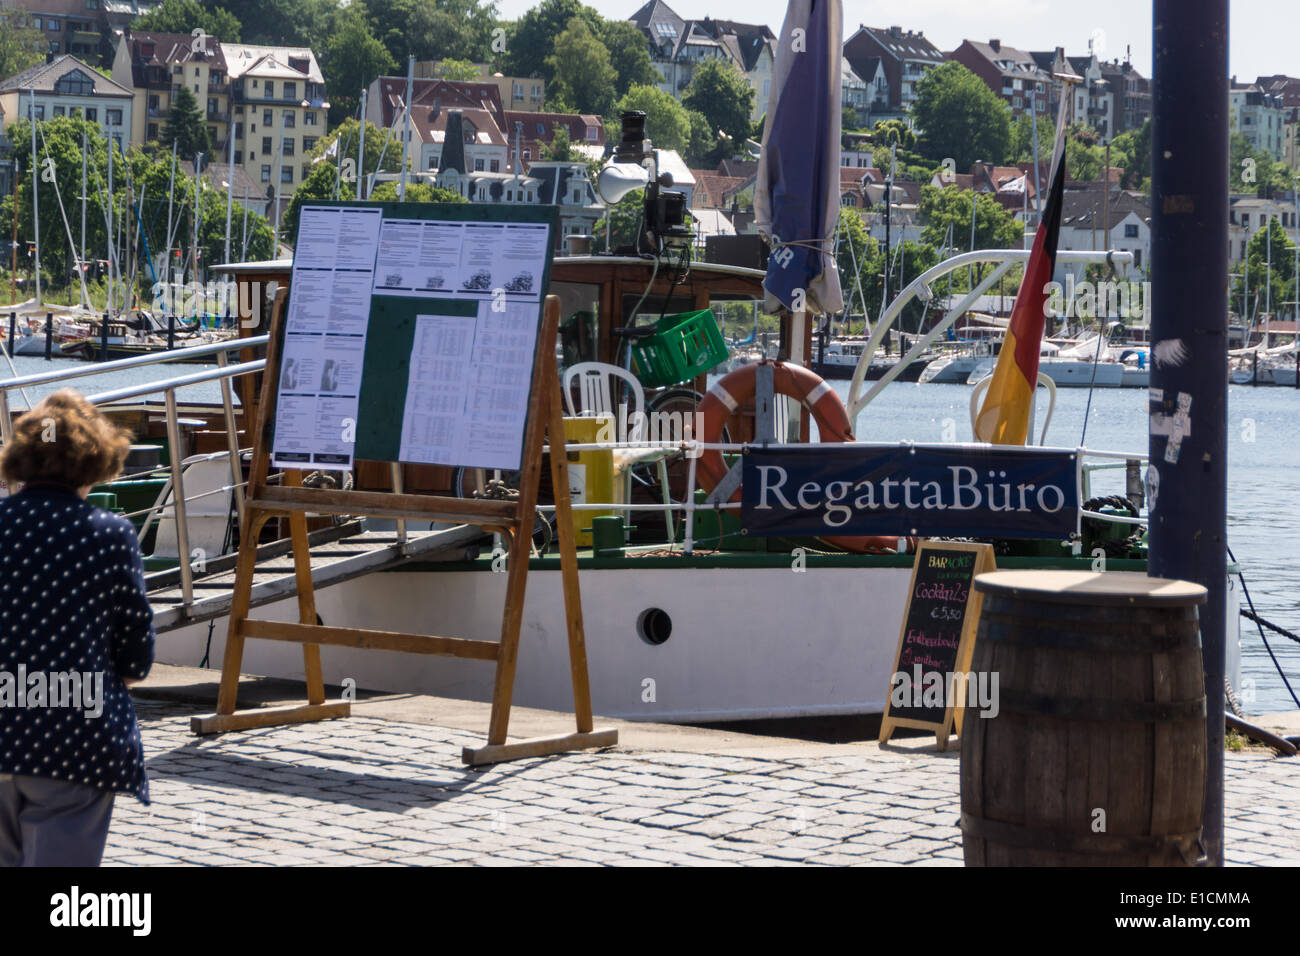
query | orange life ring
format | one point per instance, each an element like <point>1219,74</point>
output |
<point>735,388</point>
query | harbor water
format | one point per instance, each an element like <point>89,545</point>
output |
<point>1263,489</point>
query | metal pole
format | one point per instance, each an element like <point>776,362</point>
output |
<point>232,438</point>
<point>108,216</point>
<point>1189,402</point>
<point>230,190</point>
<point>406,126</point>
<point>171,191</point>
<point>36,202</point>
<point>49,335</point>
<point>361,150</point>
<point>178,504</point>
<point>275,171</point>
<point>103,338</point>
<point>82,263</point>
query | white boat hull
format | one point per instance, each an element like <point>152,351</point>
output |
<point>746,643</point>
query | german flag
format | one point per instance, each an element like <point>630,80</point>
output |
<point>1003,418</point>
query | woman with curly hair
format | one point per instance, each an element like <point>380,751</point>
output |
<point>75,629</point>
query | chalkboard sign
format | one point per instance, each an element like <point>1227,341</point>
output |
<point>937,639</point>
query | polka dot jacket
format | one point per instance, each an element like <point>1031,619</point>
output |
<point>72,599</point>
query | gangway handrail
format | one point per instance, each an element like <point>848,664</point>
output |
<point>180,381</point>
<point>135,361</point>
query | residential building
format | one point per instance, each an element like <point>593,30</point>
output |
<point>1094,104</point>
<point>522,93</point>
<point>67,86</point>
<point>154,66</point>
<point>854,96</point>
<point>83,28</point>
<point>1247,214</point>
<point>1259,116</point>
<point>1011,73</point>
<point>1132,93</point>
<point>678,46</point>
<point>278,112</point>
<point>1287,88</point>
<point>498,133</point>
<point>905,57</point>
<point>1092,220</point>
<point>565,185</point>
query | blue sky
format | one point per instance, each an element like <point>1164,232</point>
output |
<point>1264,35</point>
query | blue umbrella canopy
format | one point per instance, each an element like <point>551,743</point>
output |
<point>797,196</point>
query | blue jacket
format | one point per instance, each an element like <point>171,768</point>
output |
<point>74,623</point>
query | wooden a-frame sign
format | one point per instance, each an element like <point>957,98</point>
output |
<point>919,629</point>
<point>514,520</point>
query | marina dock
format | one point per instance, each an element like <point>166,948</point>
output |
<point>387,787</point>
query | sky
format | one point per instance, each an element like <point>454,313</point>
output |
<point>1263,35</point>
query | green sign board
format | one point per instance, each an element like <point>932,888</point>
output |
<point>410,333</point>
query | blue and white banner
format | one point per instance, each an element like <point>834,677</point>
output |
<point>926,490</point>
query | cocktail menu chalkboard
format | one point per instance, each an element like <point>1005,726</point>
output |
<point>937,639</point>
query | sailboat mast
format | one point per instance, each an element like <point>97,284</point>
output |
<point>171,190</point>
<point>406,130</point>
<point>108,217</point>
<point>84,147</point>
<point>243,248</point>
<point>361,149</point>
<point>36,201</point>
<point>230,191</point>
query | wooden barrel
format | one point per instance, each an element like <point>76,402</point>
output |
<point>1096,755</point>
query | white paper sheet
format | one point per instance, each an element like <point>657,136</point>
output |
<point>325,337</point>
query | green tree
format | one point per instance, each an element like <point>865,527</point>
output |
<point>719,91</point>
<point>706,147</point>
<point>893,132</point>
<point>185,126</point>
<point>530,41</point>
<point>452,69</point>
<point>628,55</point>
<point>351,60</point>
<point>340,147</point>
<point>960,118</point>
<point>581,72</point>
<point>559,150</point>
<point>186,16</point>
<point>1132,150</point>
<point>995,226</point>
<point>21,44</point>
<point>855,255</point>
<point>624,221</point>
<point>1021,149</point>
<point>433,29</point>
<point>1268,286</point>
<point>416,192</point>
<point>284,22</point>
<point>667,123</point>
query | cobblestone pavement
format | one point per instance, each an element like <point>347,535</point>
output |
<point>372,791</point>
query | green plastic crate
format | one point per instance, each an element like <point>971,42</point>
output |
<point>682,346</point>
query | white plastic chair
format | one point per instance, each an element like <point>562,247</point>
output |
<point>1044,381</point>
<point>599,385</point>
<point>208,499</point>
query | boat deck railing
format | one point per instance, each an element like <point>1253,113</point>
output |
<point>224,374</point>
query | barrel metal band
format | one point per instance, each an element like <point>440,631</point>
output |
<point>1012,701</point>
<point>1080,635</point>
<point>1187,845</point>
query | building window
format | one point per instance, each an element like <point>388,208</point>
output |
<point>495,166</point>
<point>239,131</point>
<point>266,144</point>
<point>289,121</point>
<point>266,117</point>
<point>433,163</point>
<point>58,111</point>
<point>288,146</point>
<point>290,91</point>
<point>38,23</point>
<point>1131,231</point>
<point>266,174</point>
<point>113,117</point>
<point>212,105</point>
<point>92,114</point>
<point>177,70</point>
<point>286,174</point>
<point>268,91</point>
<point>308,143</point>
<point>528,155</point>
<point>309,118</point>
<point>1137,258</point>
<point>153,101</point>
<point>153,131</point>
<point>478,165</point>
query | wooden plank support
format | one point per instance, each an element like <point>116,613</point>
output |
<point>538,747</point>
<point>370,639</point>
<point>269,717</point>
<point>383,504</point>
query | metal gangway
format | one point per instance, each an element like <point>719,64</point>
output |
<point>200,588</point>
